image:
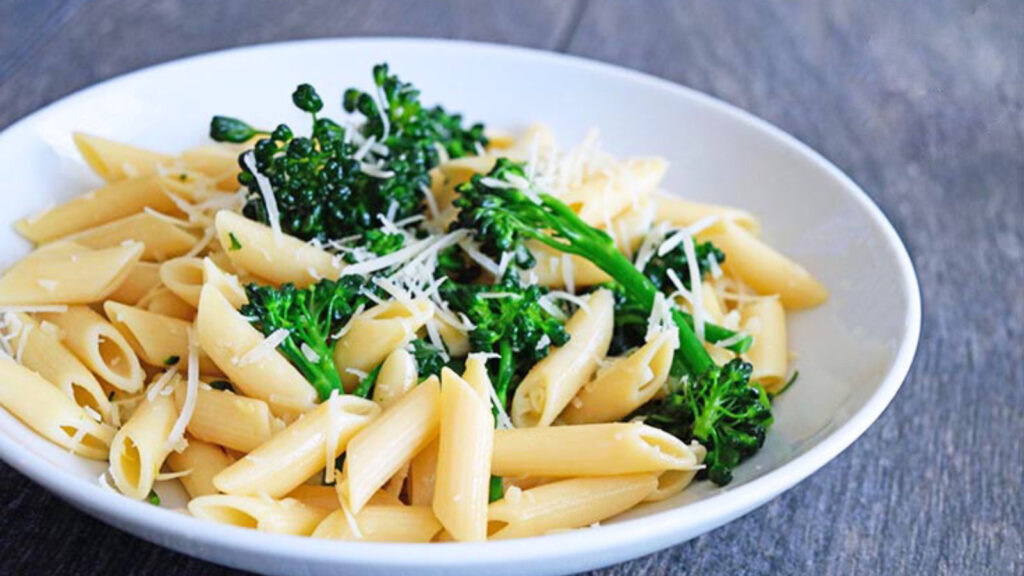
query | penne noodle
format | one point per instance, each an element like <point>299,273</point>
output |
<point>229,420</point>
<point>381,523</point>
<point>680,212</point>
<point>423,476</point>
<point>161,239</point>
<point>284,462</point>
<point>765,320</point>
<point>624,386</point>
<point>763,268</point>
<point>99,346</point>
<point>385,445</point>
<point>41,350</point>
<point>164,302</point>
<point>398,374</point>
<point>228,338</point>
<point>588,450</point>
<point>225,283</point>
<point>672,482</point>
<point>567,504</point>
<point>465,442</point>
<point>550,268</point>
<point>202,461</point>
<point>252,247</point>
<point>68,274</point>
<point>286,516</point>
<point>143,278</point>
<point>158,340</point>
<point>106,204</point>
<point>317,496</point>
<point>184,277</point>
<point>140,447</point>
<point>113,161</point>
<point>551,383</point>
<point>606,194</point>
<point>48,411</point>
<point>375,334</point>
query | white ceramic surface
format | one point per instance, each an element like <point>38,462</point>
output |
<point>854,352</point>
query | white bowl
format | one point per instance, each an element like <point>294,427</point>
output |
<point>853,352</point>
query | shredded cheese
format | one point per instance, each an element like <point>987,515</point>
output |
<point>267,191</point>
<point>176,439</point>
<point>695,287</point>
<point>264,347</point>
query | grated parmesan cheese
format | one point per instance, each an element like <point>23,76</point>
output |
<point>264,347</point>
<point>176,439</point>
<point>267,192</point>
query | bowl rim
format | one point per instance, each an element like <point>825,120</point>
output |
<point>627,534</point>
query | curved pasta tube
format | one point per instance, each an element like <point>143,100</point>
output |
<point>294,454</point>
<point>566,504</point>
<point>588,450</point>
<point>605,195</point>
<point>465,444</point>
<point>143,278</point>
<point>41,351</point>
<point>382,523</point>
<point>375,333</point>
<point>99,346</point>
<point>765,320</point>
<point>161,239</point>
<point>50,412</point>
<point>286,516</point>
<point>157,339</point>
<point>226,336</point>
<point>184,277</point>
<point>166,303</point>
<point>398,374</point>
<point>203,461</point>
<point>672,482</point>
<point>226,283</point>
<point>455,341</point>
<point>219,162</point>
<point>625,385</point>
<point>551,383</point>
<point>317,496</point>
<point>112,160</point>
<point>100,206</point>
<point>537,141</point>
<point>252,247</point>
<point>680,212</point>
<point>229,420</point>
<point>765,269</point>
<point>448,175</point>
<point>551,272</point>
<point>68,274</point>
<point>140,447</point>
<point>385,445</point>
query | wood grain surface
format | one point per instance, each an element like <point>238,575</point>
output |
<point>922,103</point>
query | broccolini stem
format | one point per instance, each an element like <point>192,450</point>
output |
<point>505,369</point>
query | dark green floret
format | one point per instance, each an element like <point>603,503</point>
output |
<point>311,315</point>
<point>171,360</point>
<point>429,358</point>
<point>227,129</point>
<point>503,217</point>
<point>675,259</point>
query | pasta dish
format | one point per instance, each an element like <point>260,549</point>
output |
<point>401,327</point>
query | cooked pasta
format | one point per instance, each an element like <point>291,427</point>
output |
<point>403,328</point>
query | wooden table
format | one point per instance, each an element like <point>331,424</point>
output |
<point>922,103</point>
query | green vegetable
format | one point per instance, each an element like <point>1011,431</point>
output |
<point>153,498</point>
<point>221,385</point>
<point>330,185</point>
<point>311,315</point>
<point>509,321</point>
<point>657,268</point>
<point>171,360</point>
<point>721,410</point>
<point>729,413</point>
<point>235,244</point>
<point>496,490</point>
<point>365,388</point>
<point>429,358</point>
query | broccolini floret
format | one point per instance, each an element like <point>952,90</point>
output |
<point>311,316</point>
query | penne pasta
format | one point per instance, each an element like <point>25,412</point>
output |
<point>158,340</point>
<point>253,247</point>
<point>552,382</point>
<point>588,450</point>
<point>284,462</point>
<point>227,284</point>
<point>99,346</point>
<point>423,476</point>
<point>164,302</point>
<point>567,504</point>
<point>48,411</point>
<point>113,161</point>
<point>765,320</point>
<point>140,447</point>
<point>385,445</point>
<point>184,277</point>
<point>606,194</point>
<point>286,516</point>
<point>202,461</point>
<point>229,420</point>
<point>464,448</point>
<point>143,279</point>
<point>680,212</point>
<point>765,269</point>
<point>375,334</point>
<point>672,482</point>
<point>160,238</point>
<point>381,523</point>
<point>398,374</point>
<point>624,386</point>
<point>551,269</point>
<point>68,274</point>
<point>230,341</point>
<point>40,349</point>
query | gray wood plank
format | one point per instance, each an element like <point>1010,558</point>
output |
<point>921,103</point>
